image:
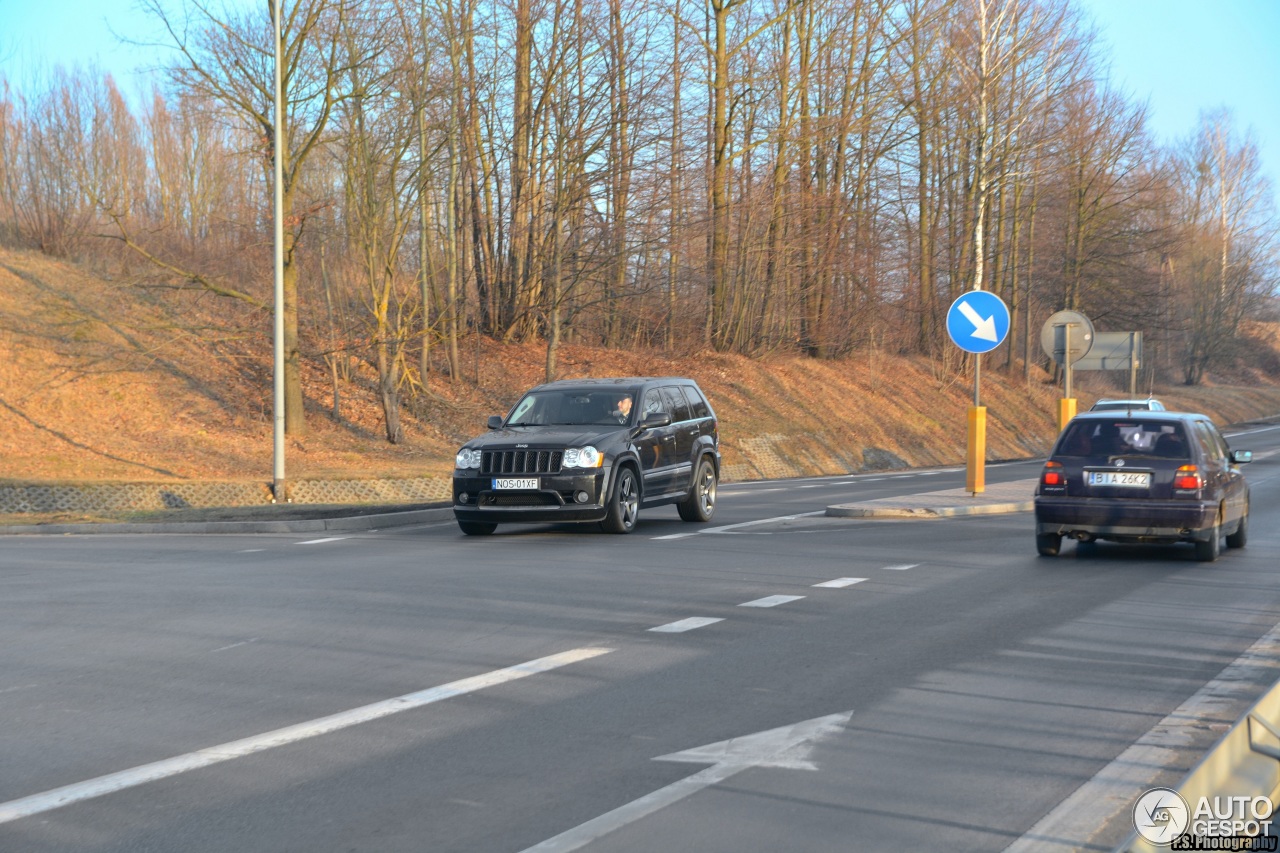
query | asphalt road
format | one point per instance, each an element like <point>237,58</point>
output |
<point>215,693</point>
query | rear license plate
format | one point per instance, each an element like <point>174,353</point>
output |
<point>510,483</point>
<point>1129,479</point>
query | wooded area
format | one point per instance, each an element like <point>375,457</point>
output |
<point>756,176</point>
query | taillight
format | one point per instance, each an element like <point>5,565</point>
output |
<point>1187,478</point>
<point>1053,475</point>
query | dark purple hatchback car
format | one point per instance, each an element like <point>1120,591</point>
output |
<point>1143,476</point>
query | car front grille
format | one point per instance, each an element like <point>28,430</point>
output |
<point>521,499</point>
<point>520,461</point>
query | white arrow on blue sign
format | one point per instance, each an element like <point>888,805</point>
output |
<point>978,321</point>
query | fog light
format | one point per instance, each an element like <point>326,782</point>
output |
<point>581,496</point>
<point>463,497</point>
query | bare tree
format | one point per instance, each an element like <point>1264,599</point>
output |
<point>1227,258</point>
<point>228,58</point>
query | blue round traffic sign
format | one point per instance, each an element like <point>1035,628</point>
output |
<point>978,321</point>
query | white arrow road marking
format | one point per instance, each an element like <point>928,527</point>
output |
<point>36,803</point>
<point>984,328</point>
<point>787,747</point>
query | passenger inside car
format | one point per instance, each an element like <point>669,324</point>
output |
<point>1170,446</point>
<point>1109,441</point>
<point>1077,444</point>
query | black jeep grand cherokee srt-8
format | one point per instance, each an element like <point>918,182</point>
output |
<point>592,450</point>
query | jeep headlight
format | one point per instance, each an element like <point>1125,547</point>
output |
<point>582,457</point>
<point>468,459</point>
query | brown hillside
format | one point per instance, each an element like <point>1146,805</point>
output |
<point>103,381</point>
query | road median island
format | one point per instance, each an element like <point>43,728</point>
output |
<point>1017,496</point>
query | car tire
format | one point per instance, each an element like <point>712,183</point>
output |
<point>1241,534</point>
<point>1207,550</point>
<point>624,503</point>
<point>700,505</point>
<point>1048,544</point>
<point>477,528</point>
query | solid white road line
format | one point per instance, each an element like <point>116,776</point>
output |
<point>743,524</point>
<point>1116,787</point>
<point>237,645</point>
<point>901,568</point>
<point>839,583</point>
<point>686,625</point>
<point>326,539</point>
<point>772,601</point>
<point>37,803</point>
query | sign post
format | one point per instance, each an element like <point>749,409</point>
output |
<point>977,322</point>
<point>1067,337</point>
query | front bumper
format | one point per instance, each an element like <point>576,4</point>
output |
<point>555,499</point>
<point>1107,518</point>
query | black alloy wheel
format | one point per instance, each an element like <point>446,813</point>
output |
<point>624,504</point>
<point>700,505</point>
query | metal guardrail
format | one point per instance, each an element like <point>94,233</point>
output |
<point>1244,763</point>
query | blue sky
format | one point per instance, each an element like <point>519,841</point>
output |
<point>1183,56</point>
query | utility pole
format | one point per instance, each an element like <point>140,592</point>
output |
<point>279,487</point>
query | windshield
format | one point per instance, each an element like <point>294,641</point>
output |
<point>572,408</point>
<point>1123,437</point>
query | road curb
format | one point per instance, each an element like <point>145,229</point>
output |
<point>299,525</point>
<point>865,511</point>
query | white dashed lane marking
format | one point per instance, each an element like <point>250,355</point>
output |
<point>772,601</point>
<point>901,568</point>
<point>839,583</point>
<point>686,625</point>
<point>326,539</point>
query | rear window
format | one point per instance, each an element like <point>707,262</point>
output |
<point>677,405</point>
<point>696,402</point>
<point>1123,437</point>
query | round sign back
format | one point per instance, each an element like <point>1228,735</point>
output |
<point>1067,337</point>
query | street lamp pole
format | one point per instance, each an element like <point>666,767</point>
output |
<point>278,487</point>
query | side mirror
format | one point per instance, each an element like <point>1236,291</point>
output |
<point>495,421</point>
<point>654,420</point>
<point>1239,457</point>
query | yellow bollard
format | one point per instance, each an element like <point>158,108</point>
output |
<point>976,475</point>
<point>1066,411</point>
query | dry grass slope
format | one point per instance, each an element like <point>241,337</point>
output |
<point>106,381</point>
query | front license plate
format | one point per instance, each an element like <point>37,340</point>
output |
<point>1129,479</point>
<point>509,483</point>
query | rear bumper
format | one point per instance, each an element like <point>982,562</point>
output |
<point>1104,518</point>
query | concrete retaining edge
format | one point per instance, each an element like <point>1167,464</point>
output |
<point>298,525</point>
